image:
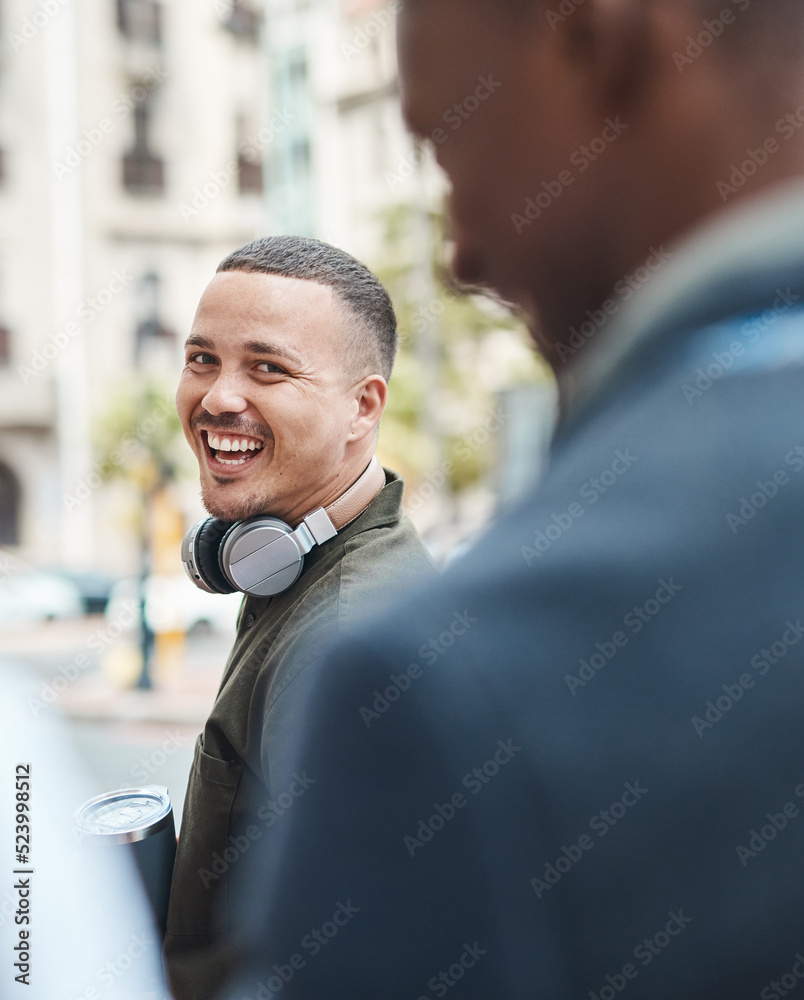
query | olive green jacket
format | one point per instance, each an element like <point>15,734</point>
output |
<point>231,807</point>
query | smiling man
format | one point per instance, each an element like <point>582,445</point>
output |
<point>284,384</point>
<point>597,790</point>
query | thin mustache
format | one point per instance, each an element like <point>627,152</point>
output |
<point>210,422</point>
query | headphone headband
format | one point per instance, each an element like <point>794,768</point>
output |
<point>354,501</point>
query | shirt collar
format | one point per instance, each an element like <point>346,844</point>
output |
<point>725,266</point>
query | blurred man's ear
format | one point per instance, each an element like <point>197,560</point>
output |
<point>613,44</point>
<point>371,395</point>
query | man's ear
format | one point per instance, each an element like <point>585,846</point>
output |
<point>371,395</point>
<point>613,44</point>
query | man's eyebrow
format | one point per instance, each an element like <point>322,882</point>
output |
<point>196,340</point>
<point>251,346</point>
<point>262,347</point>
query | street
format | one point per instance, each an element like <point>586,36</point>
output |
<point>121,737</point>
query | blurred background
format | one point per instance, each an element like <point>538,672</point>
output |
<point>140,142</point>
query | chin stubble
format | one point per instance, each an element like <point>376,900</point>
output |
<point>235,510</point>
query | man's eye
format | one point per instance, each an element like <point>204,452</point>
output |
<point>202,359</point>
<point>270,368</point>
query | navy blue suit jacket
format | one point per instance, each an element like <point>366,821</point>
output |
<point>573,766</point>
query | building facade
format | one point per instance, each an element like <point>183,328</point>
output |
<point>140,142</point>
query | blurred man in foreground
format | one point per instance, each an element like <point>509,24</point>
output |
<point>597,788</point>
<point>283,387</point>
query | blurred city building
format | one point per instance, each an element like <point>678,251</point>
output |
<point>130,166</point>
<point>140,142</point>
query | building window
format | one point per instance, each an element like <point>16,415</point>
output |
<point>292,153</point>
<point>140,20</point>
<point>9,507</point>
<point>150,328</point>
<point>143,172</point>
<point>249,161</point>
<point>243,21</point>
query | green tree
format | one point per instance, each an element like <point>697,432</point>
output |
<point>135,440</point>
<point>456,352</point>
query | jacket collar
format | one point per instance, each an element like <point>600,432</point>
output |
<point>730,265</point>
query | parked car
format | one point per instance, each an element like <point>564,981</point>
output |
<point>172,604</point>
<point>30,596</point>
<point>94,588</point>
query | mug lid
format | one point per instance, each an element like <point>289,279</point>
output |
<point>124,816</point>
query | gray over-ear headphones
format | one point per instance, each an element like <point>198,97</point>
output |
<point>263,555</point>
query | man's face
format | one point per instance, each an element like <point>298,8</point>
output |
<point>511,115</point>
<point>265,397</point>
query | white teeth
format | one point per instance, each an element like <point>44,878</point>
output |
<point>233,444</point>
<point>232,461</point>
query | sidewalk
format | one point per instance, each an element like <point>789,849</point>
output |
<point>63,662</point>
<point>185,699</point>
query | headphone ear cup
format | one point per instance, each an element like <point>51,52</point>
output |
<point>261,556</point>
<point>207,554</point>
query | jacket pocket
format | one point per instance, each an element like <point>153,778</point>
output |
<point>199,889</point>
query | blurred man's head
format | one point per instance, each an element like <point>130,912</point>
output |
<point>285,377</point>
<point>579,134</point>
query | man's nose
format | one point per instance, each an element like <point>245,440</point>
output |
<point>225,396</point>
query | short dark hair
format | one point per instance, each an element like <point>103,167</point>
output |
<point>375,332</point>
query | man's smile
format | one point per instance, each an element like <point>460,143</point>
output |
<point>227,451</point>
